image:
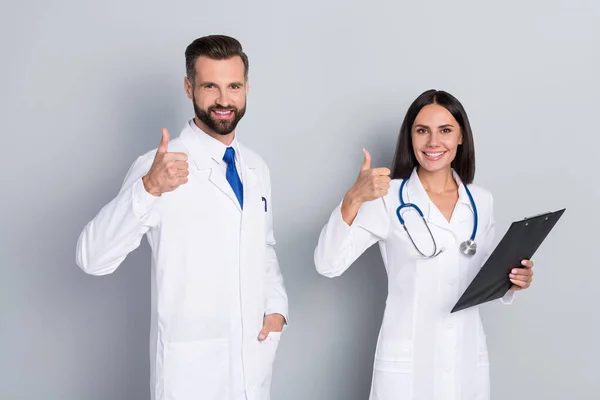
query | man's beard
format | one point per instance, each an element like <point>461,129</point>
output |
<point>219,126</point>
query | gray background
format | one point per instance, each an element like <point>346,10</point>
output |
<point>87,87</point>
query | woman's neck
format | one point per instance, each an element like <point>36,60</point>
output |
<point>437,182</point>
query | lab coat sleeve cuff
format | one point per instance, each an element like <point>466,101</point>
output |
<point>142,201</point>
<point>281,311</point>
<point>369,218</point>
<point>508,298</point>
<point>341,228</point>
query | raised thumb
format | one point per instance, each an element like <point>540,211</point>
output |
<point>163,147</point>
<point>367,163</point>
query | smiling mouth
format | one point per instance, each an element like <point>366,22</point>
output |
<point>223,114</point>
<point>434,156</point>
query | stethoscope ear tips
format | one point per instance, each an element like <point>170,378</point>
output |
<point>468,247</point>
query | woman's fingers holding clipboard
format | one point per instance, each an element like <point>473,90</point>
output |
<point>521,277</point>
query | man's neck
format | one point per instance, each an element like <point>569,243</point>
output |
<point>225,139</point>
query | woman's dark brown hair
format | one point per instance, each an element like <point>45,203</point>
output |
<point>404,158</point>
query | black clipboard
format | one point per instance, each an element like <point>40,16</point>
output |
<point>520,242</point>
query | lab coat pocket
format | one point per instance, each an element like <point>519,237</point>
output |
<point>482,350</point>
<point>480,386</point>
<point>392,375</point>
<point>268,350</point>
<point>198,369</point>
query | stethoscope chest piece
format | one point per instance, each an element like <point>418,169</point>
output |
<point>468,247</point>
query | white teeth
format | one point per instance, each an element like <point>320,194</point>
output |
<point>433,154</point>
<point>223,112</point>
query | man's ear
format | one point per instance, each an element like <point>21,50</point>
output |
<point>188,87</point>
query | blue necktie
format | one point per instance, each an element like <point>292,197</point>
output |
<point>232,176</point>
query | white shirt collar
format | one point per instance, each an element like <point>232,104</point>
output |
<point>214,147</point>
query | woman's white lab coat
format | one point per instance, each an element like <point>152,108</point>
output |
<point>214,272</point>
<point>423,351</point>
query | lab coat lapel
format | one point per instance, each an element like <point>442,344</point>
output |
<point>220,181</point>
<point>251,189</point>
<point>417,195</point>
<point>463,212</point>
<point>248,171</point>
<point>201,162</point>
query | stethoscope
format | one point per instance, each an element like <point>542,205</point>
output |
<point>468,247</point>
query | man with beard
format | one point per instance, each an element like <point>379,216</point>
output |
<point>203,201</point>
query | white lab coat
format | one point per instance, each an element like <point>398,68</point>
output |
<point>423,351</point>
<point>215,273</point>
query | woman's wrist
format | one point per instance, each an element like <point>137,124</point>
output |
<point>350,206</point>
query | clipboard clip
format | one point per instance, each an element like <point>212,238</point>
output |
<point>547,213</point>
